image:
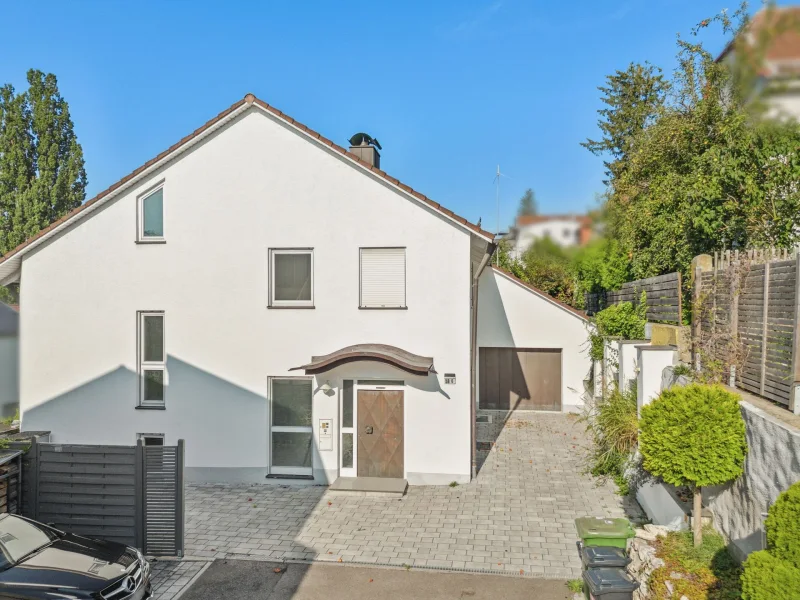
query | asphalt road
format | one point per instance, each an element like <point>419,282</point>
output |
<point>256,580</point>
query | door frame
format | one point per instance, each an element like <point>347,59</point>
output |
<point>366,384</point>
<point>297,471</point>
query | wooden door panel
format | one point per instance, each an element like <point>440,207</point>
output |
<point>380,434</point>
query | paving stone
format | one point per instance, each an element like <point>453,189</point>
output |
<point>519,511</point>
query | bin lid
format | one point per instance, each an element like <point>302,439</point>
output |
<point>604,556</point>
<point>608,581</point>
<point>596,527</point>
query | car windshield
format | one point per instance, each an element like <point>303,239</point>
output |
<point>20,537</point>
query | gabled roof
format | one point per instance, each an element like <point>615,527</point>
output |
<point>8,260</point>
<point>544,295</point>
<point>534,219</point>
<point>785,46</point>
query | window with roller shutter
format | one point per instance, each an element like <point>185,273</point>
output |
<point>383,278</point>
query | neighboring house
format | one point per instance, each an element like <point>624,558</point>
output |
<point>280,303</point>
<point>9,360</point>
<point>779,79</point>
<point>565,230</point>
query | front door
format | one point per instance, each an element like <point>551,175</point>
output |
<point>380,433</point>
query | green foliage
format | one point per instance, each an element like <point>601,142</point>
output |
<point>527,203</point>
<point>633,98</point>
<point>9,420</point>
<point>42,174</point>
<point>708,571</point>
<point>575,585</point>
<point>767,577</point>
<point>601,265</point>
<point>783,526</point>
<point>4,443</point>
<point>693,167</point>
<point>614,426</point>
<point>544,265</point>
<point>623,320</point>
<point>693,435</point>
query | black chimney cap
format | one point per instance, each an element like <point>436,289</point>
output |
<point>364,139</point>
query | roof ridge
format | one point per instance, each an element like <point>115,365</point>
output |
<point>250,99</point>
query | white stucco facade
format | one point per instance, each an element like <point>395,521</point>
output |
<point>255,184</point>
<point>512,314</point>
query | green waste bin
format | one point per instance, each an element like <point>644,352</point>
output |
<point>595,531</point>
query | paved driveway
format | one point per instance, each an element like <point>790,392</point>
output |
<point>515,517</point>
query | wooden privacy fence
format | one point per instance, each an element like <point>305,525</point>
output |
<point>745,321</point>
<point>128,494</point>
<point>663,297</point>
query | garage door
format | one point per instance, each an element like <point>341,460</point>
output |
<point>521,379</point>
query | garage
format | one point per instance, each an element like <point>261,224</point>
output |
<point>532,351</point>
<point>519,379</point>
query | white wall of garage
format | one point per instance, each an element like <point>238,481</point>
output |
<point>512,314</point>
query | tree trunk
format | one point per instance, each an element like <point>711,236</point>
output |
<point>697,516</point>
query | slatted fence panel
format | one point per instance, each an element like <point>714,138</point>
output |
<point>88,490</point>
<point>163,505</point>
<point>663,297</point>
<point>747,316</point>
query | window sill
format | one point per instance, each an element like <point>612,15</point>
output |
<point>140,407</point>
<point>145,242</point>
<point>278,476</point>
<point>382,308</point>
<point>300,306</point>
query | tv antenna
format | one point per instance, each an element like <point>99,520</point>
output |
<point>497,177</point>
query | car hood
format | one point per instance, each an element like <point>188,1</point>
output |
<point>72,562</point>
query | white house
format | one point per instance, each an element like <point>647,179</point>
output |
<point>564,230</point>
<point>9,360</point>
<point>279,302</point>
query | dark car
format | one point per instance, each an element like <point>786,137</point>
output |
<point>38,561</point>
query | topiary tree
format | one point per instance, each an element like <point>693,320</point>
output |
<point>783,526</point>
<point>695,436</point>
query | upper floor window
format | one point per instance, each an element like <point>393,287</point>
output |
<point>383,278</point>
<point>151,216</point>
<point>152,359</point>
<point>291,277</point>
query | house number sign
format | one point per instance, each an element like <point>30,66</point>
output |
<point>325,434</point>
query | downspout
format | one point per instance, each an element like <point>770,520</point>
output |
<point>490,249</point>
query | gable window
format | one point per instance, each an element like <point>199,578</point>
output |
<point>383,278</point>
<point>291,277</point>
<point>151,216</point>
<point>152,359</point>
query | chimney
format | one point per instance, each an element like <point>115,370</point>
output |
<point>366,147</point>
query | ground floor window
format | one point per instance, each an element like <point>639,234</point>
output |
<point>151,439</point>
<point>291,436</point>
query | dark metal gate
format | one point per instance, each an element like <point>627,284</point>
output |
<point>128,494</point>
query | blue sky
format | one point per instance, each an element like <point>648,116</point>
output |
<point>451,88</point>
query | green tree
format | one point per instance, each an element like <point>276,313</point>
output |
<point>527,203</point>
<point>633,98</point>
<point>694,436</point>
<point>42,175</point>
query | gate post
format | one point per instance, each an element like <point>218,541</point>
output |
<point>33,476</point>
<point>138,493</point>
<point>180,509</point>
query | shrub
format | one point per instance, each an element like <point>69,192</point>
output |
<point>614,424</point>
<point>695,436</point>
<point>623,320</point>
<point>767,577</point>
<point>783,526</point>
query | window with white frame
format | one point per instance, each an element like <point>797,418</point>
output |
<point>291,277</point>
<point>290,425</point>
<point>151,216</point>
<point>383,278</point>
<point>152,359</point>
